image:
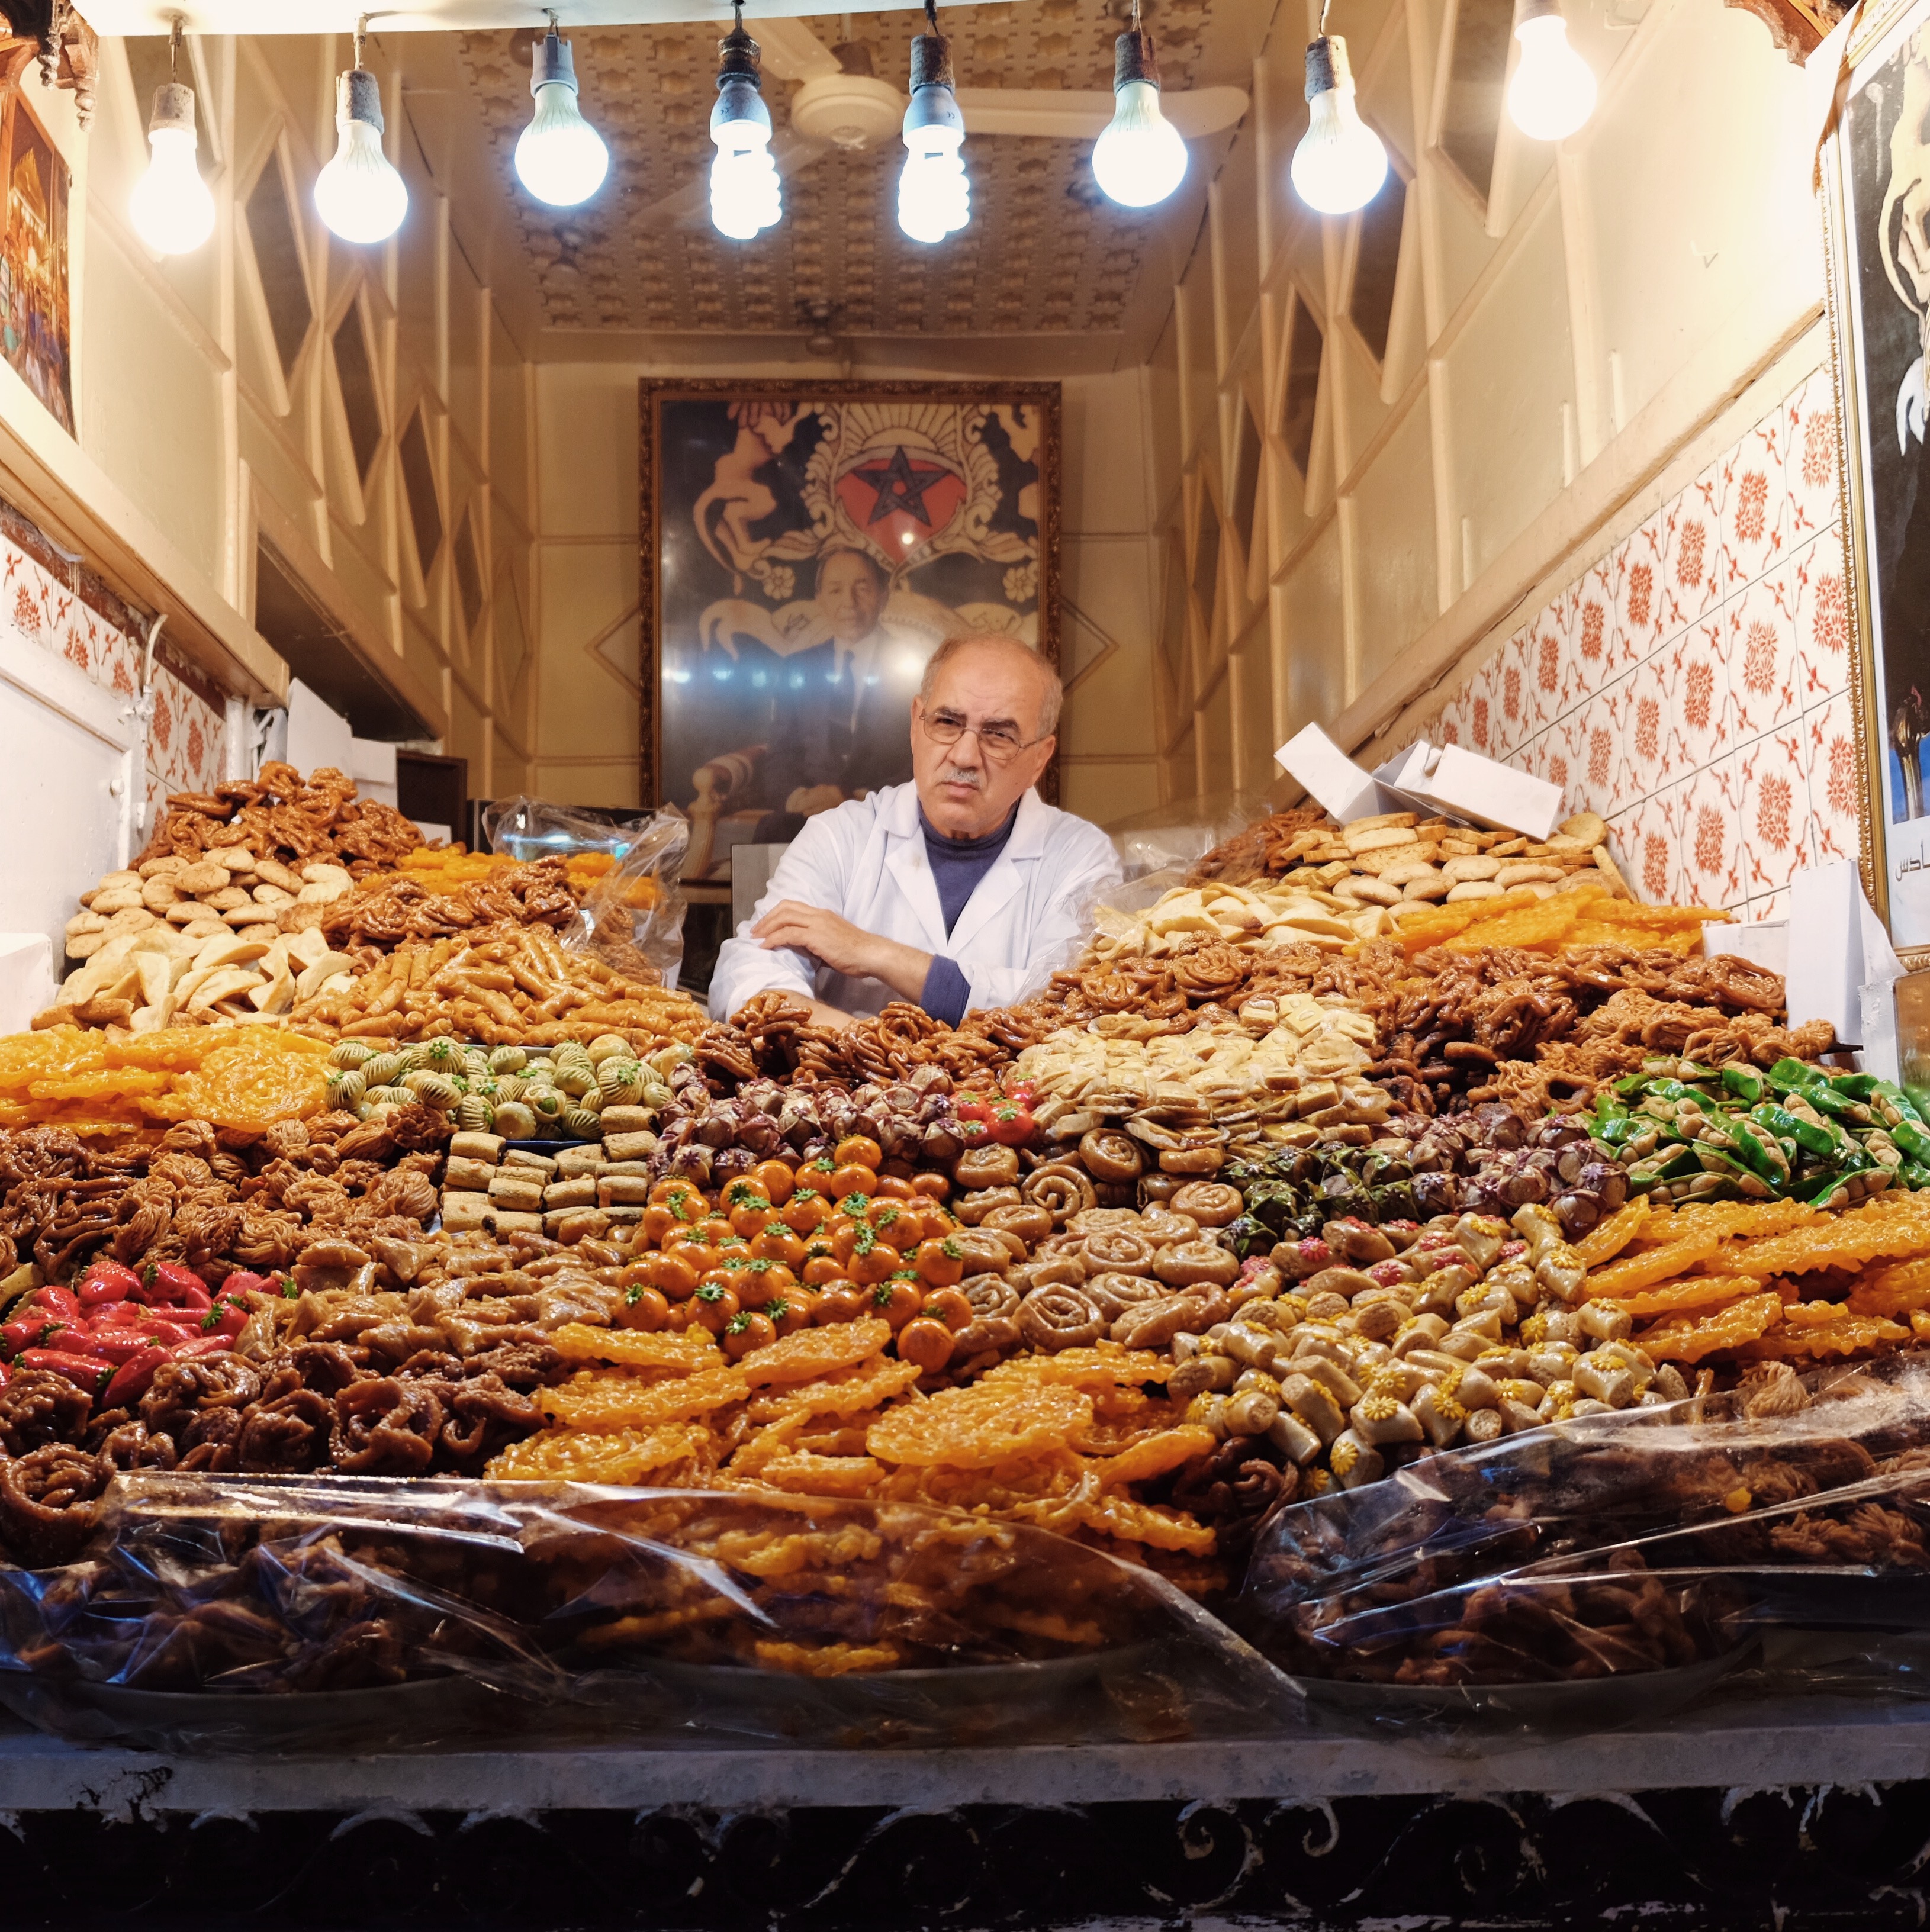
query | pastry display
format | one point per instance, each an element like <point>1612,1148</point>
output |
<point>507,986</point>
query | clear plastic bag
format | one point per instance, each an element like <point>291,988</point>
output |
<point>632,918</point>
<point>1174,837</point>
<point>1604,1568</point>
<point>248,1613</point>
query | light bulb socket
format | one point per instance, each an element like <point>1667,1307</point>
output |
<point>358,98</point>
<point>1535,10</point>
<point>1134,59</point>
<point>173,109</point>
<point>933,104</point>
<point>1327,65</point>
<point>552,64</point>
<point>931,61</point>
<point>737,58</point>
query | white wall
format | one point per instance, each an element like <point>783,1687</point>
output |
<point>1551,346</point>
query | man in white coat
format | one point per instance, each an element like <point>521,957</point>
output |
<point>961,889</point>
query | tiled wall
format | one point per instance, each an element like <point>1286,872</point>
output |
<point>1693,685</point>
<point>86,626</point>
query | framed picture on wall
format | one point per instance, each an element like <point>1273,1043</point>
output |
<point>1876,174</point>
<point>34,331</point>
<point>807,546</point>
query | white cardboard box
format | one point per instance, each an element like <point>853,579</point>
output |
<point>1427,779</point>
<point>1465,785</point>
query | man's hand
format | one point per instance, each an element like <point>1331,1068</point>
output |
<point>844,947</point>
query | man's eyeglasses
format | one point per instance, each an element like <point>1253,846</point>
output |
<point>1001,743</point>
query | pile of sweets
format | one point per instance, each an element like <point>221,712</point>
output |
<point>1376,859</point>
<point>497,986</point>
<point>91,1082</point>
<point>558,1093</point>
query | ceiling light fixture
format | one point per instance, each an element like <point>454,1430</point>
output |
<point>934,193</point>
<point>746,195</point>
<point>559,158</point>
<point>1340,164</point>
<point>1552,92</point>
<point>358,194</point>
<point>1140,159</point>
<point>170,207</point>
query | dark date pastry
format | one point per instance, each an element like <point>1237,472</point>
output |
<point>37,1408</point>
<point>385,1427</point>
<point>287,1436</point>
<point>47,1501</point>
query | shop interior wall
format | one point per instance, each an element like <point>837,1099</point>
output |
<point>590,672</point>
<point>1381,441</point>
<point>270,383</point>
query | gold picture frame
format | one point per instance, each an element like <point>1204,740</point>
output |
<point>1878,337</point>
<point>940,501</point>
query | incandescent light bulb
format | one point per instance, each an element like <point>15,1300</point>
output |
<point>934,191</point>
<point>171,208</point>
<point>1340,164</point>
<point>1140,159</point>
<point>559,158</point>
<point>359,194</point>
<point>1552,92</point>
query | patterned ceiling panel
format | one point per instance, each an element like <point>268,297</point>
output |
<point>1045,252</point>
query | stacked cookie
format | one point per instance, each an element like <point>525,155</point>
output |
<point>574,1193</point>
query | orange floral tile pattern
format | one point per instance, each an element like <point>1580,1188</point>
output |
<point>1692,686</point>
<point>185,739</point>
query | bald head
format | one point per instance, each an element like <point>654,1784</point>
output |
<point>998,645</point>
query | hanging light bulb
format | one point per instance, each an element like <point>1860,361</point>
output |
<point>934,192</point>
<point>1552,92</point>
<point>1139,159</point>
<point>1340,164</point>
<point>171,208</point>
<point>359,194</point>
<point>746,196</point>
<point>561,158</point>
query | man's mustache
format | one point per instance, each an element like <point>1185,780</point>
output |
<point>962,774</point>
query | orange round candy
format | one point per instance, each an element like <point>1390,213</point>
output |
<point>874,1262</point>
<point>673,1276</point>
<point>940,1263</point>
<point>927,1343</point>
<point>777,1180</point>
<point>778,1243</point>
<point>713,1306</point>
<point>950,1306</point>
<point>747,1332</point>
<point>751,1215</point>
<point>644,1308</point>
<point>897,1302</point>
<point>788,1312</point>
<point>840,1301</point>
<point>859,1150</point>
<point>806,1212</point>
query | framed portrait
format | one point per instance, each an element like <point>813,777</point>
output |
<point>1876,176</point>
<point>807,546</point>
<point>34,330</point>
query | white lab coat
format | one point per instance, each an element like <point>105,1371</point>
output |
<point>864,860</point>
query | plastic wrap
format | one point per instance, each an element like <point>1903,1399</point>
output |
<point>261,1613</point>
<point>1172,837</point>
<point>1607,1567</point>
<point>633,918</point>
